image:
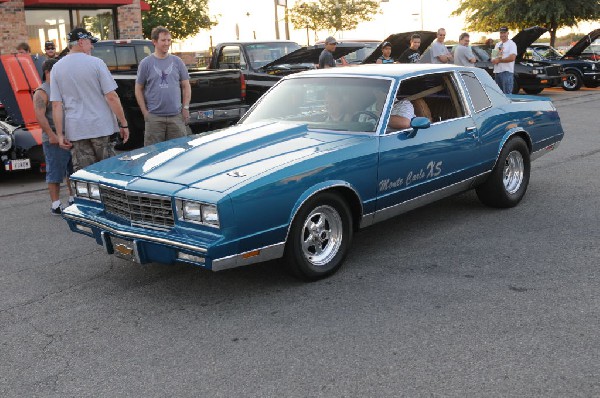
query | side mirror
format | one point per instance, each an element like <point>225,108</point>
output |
<point>418,123</point>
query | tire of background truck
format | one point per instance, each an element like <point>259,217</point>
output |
<point>516,86</point>
<point>533,90</point>
<point>573,81</point>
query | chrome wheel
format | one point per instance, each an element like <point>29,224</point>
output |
<point>572,81</point>
<point>513,173</point>
<point>322,235</point>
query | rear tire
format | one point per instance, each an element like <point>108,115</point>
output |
<point>507,184</point>
<point>319,238</point>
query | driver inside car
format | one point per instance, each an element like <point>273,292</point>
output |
<point>401,115</point>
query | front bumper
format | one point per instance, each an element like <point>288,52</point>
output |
<point>147,246</point>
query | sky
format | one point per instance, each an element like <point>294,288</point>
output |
<point>256,19</point>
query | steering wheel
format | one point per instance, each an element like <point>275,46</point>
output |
<point>370,114</point>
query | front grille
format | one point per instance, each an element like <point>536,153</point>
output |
<point>552,70</point>
<point>152,211</point>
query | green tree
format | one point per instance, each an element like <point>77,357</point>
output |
<point>332,15</point>
<point>183,18</point>
<point>488,15</point>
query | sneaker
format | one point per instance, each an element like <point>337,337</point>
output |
<point>56,212</point>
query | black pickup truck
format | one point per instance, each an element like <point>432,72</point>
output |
<point>218,97</point>
<point>263,63</point>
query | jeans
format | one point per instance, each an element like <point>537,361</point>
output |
<point>505,80</point>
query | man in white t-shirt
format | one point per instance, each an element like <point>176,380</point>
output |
<point>402,113</point>
<point>503,58</point>
<point>439,52</point>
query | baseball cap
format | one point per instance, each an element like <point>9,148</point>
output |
<point>80,33</point>
<point>503,29</point>
<point>386,44</point>
<point>49,44</point>
<point>330,40</point>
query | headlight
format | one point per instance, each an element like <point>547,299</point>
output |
<point>88,190</point>
<point>5,142</point>
<point>201,213</point>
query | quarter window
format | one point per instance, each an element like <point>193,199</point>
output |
<point>478,95</point>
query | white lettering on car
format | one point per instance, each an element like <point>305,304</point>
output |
<point>433,169</point>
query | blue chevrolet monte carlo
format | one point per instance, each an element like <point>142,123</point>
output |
<point>313,161</point>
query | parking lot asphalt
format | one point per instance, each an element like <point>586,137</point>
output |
<point>453,300</point>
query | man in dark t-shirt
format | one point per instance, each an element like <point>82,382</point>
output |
<point>326,58</point>
<point>411,55</point>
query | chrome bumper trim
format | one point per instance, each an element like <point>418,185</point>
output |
<point>537,154</point>
<point>133,235</point>
<point>237,260</point>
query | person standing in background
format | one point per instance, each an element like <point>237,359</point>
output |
<point>83,88</point>
<point>411,55</point>
<point>463,55</point>
<point>163,91</point>
<point>50,50</point>
<point>23,48</point>
<point>439,52</point>
<point>503,58</point>
<point>58,160</point>
<point>326,58</point>
<point>386,54</point>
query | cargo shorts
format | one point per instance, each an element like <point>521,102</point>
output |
<point>162,128</point>
<point>89,151</point>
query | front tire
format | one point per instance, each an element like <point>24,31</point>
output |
<point>319,238</point>
<point>507,184</point>
<point>573,81</point>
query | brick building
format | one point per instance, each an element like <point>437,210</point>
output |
<point>36,21</point>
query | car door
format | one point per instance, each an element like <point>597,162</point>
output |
<point>415,164</point>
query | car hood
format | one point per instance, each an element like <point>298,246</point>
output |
<point>220,160</point>
<point>582,44</point>
<point>311,54</point>
<point>400,42</point>
<point>527,37</point>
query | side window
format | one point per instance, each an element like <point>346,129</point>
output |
<point>433,96</point>
<point>476,91</point>
<point>106,54</point>
<point>126,58</point>
<point>231,58</point>
<point>142,51</point>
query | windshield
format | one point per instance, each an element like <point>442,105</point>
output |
<point>261,54</point>
<point>359,55</point>
<point>545,52</point>
<point>325,102</point>
<point>481,53</point>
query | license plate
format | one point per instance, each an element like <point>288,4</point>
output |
<point>17,164</point>
<point>124,249</point>
<point>202,115</point>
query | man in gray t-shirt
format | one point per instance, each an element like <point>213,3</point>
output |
<point>439,52</point>
<point>83,87</point>
<point>163,91</point>
<point>463,55</point>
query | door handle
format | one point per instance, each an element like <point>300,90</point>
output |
<point>471,131</point>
